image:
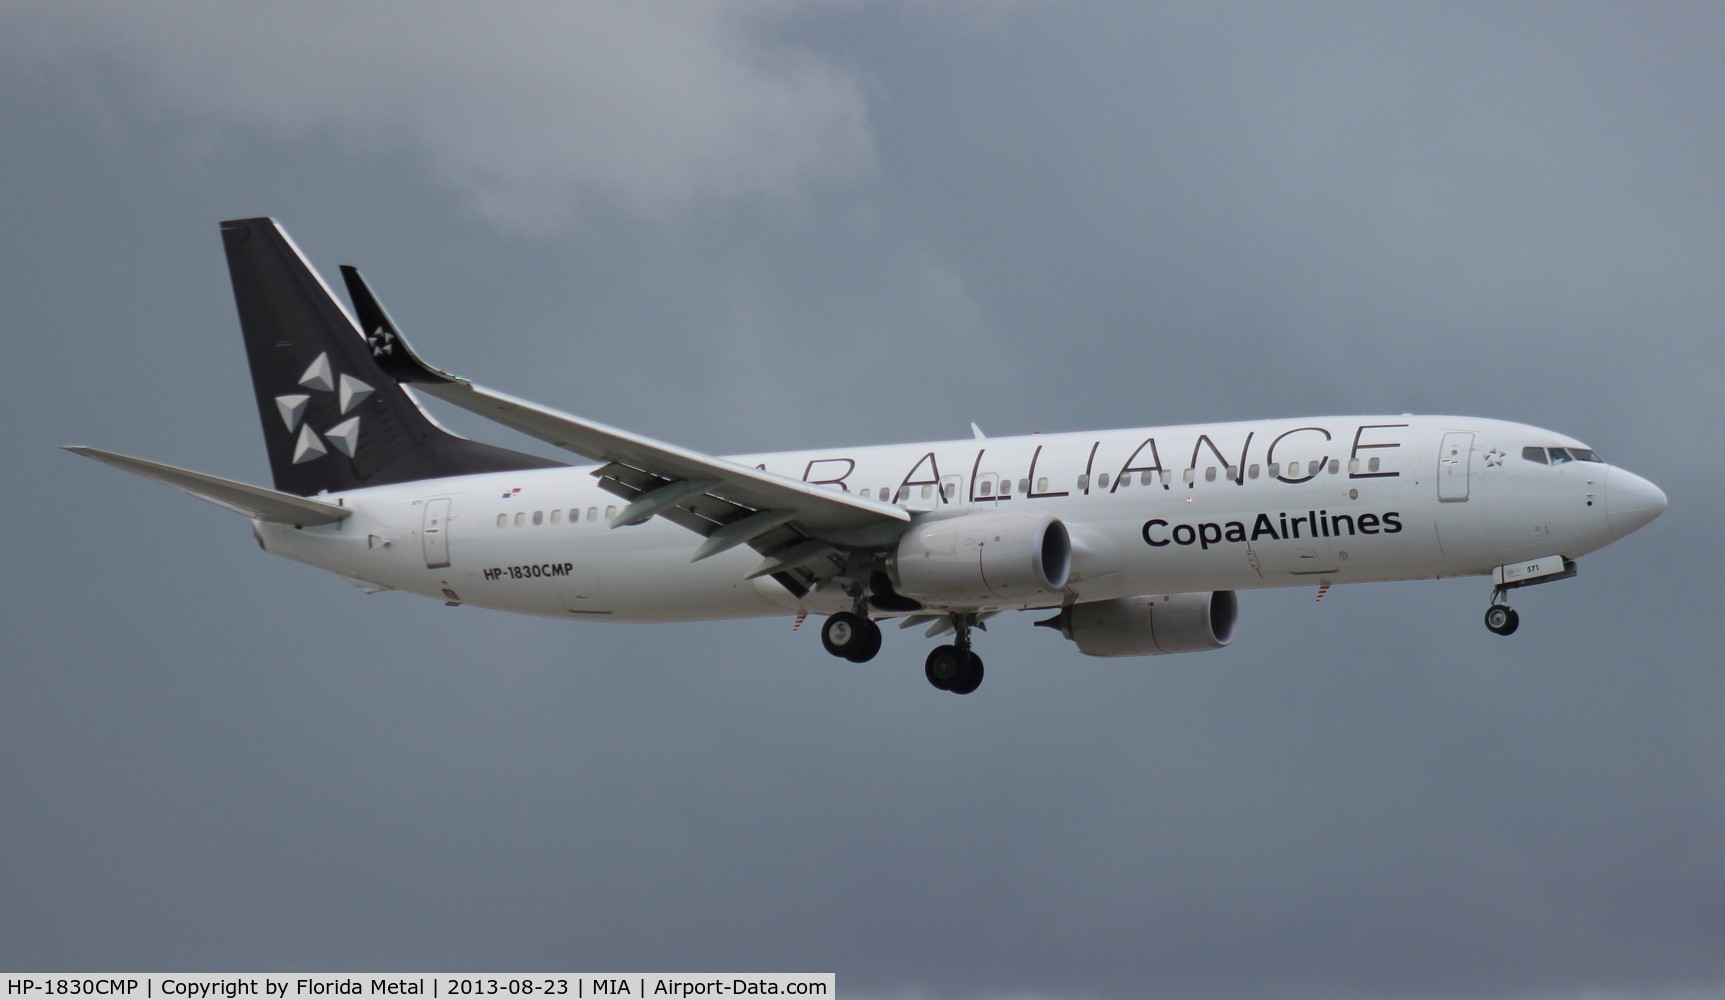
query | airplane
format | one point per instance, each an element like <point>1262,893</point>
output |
<point>1136,542</point>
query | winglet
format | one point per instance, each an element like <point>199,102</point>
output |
<point>388,347</point>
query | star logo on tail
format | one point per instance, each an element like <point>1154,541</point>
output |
<point>319,377</point>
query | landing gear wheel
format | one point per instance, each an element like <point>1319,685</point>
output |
<point>1501,619</point>
<point>972,678</point>
<point>950,668</point>
<point>845,633</point>
<point>946,666</point>
<point>870,644</point>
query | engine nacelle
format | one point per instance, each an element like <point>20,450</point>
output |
<point>1150,624</point>
<point>984,559</point>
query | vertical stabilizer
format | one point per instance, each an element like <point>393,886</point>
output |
<point>332,419</point>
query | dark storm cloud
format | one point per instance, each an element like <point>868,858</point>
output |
<point>769,227</point>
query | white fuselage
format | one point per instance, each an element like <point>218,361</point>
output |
<point>1232,506</point>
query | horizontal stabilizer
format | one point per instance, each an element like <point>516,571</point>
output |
<point>252,501</point>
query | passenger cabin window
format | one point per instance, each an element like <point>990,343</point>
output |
<point>1252,471</point>
<point>502,519</point>
<point>610,512</point>
<point>1083,482</point>
<point>1335,466</point>
<point>986,488</point>
<point>927,491</point>
<point>520,518</point>
<point>538,518</point>
<point>556,516</point>
<point>1042,484</point>
<point>1210,474</point>
<point>592,513</point>
<point>1534,455</point>
<point>1372,465</point>
<point>867,494</point>
<point>574,514</point>
<point>1102,481</point>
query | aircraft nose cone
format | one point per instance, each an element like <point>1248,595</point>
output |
<point>1630,501</point>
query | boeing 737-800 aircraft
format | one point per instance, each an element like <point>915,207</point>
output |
<point>1135,541</point>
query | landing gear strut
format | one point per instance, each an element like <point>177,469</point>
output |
<point>851,636</point>
<point>955,668</point>
<point>1501,619</point>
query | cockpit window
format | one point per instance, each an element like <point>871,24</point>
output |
<point>1558,456</point>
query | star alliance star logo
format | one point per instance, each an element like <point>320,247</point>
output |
<point>382,341</point>
<point>349,393</point>
<point>1494,458</point>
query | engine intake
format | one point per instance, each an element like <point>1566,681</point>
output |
<point>1150,624</point>
<point>984,559</point>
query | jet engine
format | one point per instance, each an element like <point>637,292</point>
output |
<point>984,559</point>
<point>1150,624</point>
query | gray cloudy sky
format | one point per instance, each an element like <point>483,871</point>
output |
<point>752,226</point>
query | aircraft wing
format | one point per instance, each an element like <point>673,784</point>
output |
<point>815,508</point>
<point>241,498</point>
<point>796,526</point>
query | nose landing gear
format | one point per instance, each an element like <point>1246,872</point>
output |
<point>1501,619</point>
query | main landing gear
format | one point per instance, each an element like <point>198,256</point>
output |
<point>955,668</point>
<point>851,636</point>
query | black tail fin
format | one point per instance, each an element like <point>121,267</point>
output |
<point>332,419</point>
